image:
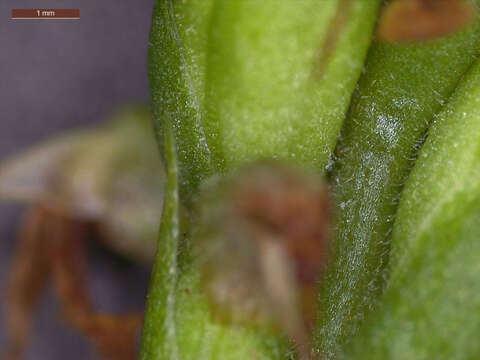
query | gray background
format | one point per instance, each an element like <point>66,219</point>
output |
<point>55,75</point>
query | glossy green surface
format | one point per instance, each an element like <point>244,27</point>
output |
<point>431,307</point>
<point>401,90</point>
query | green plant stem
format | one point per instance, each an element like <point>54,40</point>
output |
<point>159,330</point>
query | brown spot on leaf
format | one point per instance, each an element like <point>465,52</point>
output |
<point>420,20</point>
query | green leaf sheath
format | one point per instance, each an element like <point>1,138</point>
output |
<point>401,90</point>
<point>430,308</point>
<point>177,56</point>
<point>231,82</point>
<point>239,81</point>
<point>265,97</point>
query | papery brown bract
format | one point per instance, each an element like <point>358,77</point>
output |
<point>262,244</point>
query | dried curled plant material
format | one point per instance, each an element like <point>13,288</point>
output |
<point>28,279</point>
<point>113,335</point>
<point>110,178</point>
<point>111,175</point>
<point>420,20</point>
<point>262,243</point>
<point>53,244</point>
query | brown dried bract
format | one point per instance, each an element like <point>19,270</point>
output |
<point>263,243</point>
<point>294,211</point>
<point>420,20</point>
<point>52,244</point>
<point>113,335</point>
<point>28,278</point>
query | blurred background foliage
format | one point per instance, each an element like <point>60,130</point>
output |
<point>56,76</point>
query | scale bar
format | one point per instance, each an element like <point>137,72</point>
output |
<point>57,14</point>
